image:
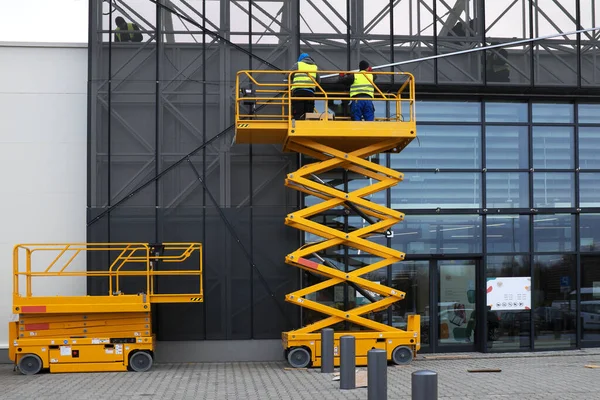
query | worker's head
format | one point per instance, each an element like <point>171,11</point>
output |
<point>303,56</point>
<point>363,65</point>
<point>119,21</point>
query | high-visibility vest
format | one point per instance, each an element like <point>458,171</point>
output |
<point>362,85</point>
<point>303,78</point>
<point>129,29</point>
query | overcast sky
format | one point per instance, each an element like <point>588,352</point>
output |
<point>67,20</point>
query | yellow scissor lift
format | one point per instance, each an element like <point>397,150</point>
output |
<point>263,116</point>
<point>81,333</point>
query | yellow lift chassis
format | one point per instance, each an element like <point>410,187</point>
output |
<point>74,332</point>
<point>263,116</point>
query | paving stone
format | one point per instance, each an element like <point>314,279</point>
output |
<point>547,376</point>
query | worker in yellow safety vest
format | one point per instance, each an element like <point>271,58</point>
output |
<point>303,86</point>
<point>134,34</point>
<point>361,87</point>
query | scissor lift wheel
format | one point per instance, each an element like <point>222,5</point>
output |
<point>30,364</point>
<point>140,361</point>
<point>299,357</point>
<point>402,355</point>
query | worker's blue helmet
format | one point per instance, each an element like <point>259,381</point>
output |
<point>303,56</point>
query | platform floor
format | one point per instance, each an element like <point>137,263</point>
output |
<point>549,376</point>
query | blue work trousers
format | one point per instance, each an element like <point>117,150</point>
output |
<point>362,109</point>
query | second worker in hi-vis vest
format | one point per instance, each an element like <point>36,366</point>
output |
<point>362,92</point>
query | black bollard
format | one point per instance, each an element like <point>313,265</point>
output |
<point>347,362</point>
<point>327,350</point>
<point>377,374</point>
<point>424,385</point>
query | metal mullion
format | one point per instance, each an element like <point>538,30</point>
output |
<point>578,266</point>
<point>251,184</point>
<point>531,221</point>
<point>204,125</point>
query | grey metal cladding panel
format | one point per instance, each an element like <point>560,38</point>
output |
<point>555,68</point>
<point>273,240</point>
<point>98,260</point>
<point>180,187</point>
<point>131,63</point>
<point>227,271</point>
<point>268,178</point>
<point>182,128</point>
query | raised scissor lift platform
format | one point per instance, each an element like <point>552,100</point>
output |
<point>107,332</point>
<point>336,143</point>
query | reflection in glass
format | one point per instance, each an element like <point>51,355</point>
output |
<point>507,189</point>
<point>412,277</point>
<point>553,189</point>
<point>457,306</point>
<point>506,112</point>
<point>590,297</point>
<point>553,147</point>
<point>553,232</point>
<point>554,314</point>
<point>442,147</point>
<point>507,233</point>
<point>589,147</point>
<point>448,111</point>
<point>552,113</point>
<point>438,234</point>
<point>513,326</point>
<point>432,190</point>
<point>589,232</point>
<point>507,147</point>
<point>589,190</point>
<point>589,114</point>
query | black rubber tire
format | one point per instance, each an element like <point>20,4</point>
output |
<point>299,357</point>
<point>140,361</point>
<point>402,355</point>
<point>30,364</point>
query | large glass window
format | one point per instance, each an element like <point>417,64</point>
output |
<point>553,147</point>
<point>510,330</point>
<point>589,147</point>
<point>430,190</point>
<point>448,111</point>
<point>590,297</point>
<point>554,314</point>
<point>443,234</point>
<point>589,114</point>
<point>507,189</point>
<point>412,277</point>
<point>507,233</point>
<point>589,232</point>
<point>506,112</point>
<point>553,233</point>
<point>589,190</point>
<point>507,147</point>
<point>444,147</point>
<point>553,189</point>
<point>552,113</point>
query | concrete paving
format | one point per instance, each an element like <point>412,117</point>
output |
<point>549,376</point>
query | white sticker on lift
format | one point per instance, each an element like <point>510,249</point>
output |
<point>110,351</point>
<point>65,351</point>
<point>119,348</point>
<point>53,360</point>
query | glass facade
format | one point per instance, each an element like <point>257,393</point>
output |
<point>498,190</point>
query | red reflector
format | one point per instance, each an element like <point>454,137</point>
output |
<point>33,309</point>
<point>308,263</point>
<point>37,327</point>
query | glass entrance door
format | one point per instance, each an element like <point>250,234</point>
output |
<point>456,300</point>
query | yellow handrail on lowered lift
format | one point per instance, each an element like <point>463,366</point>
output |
<point>336,143</point>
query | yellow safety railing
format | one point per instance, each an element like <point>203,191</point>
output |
<point>148,255</point>
<point>274,88</point>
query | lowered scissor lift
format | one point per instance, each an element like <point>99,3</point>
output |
<point>75,332</point>
<point>263,117</point>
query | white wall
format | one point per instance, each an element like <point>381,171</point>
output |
<point>43,155</point>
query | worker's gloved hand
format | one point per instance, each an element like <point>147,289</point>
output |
<point>369,69</point>
<point>342,74</point>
